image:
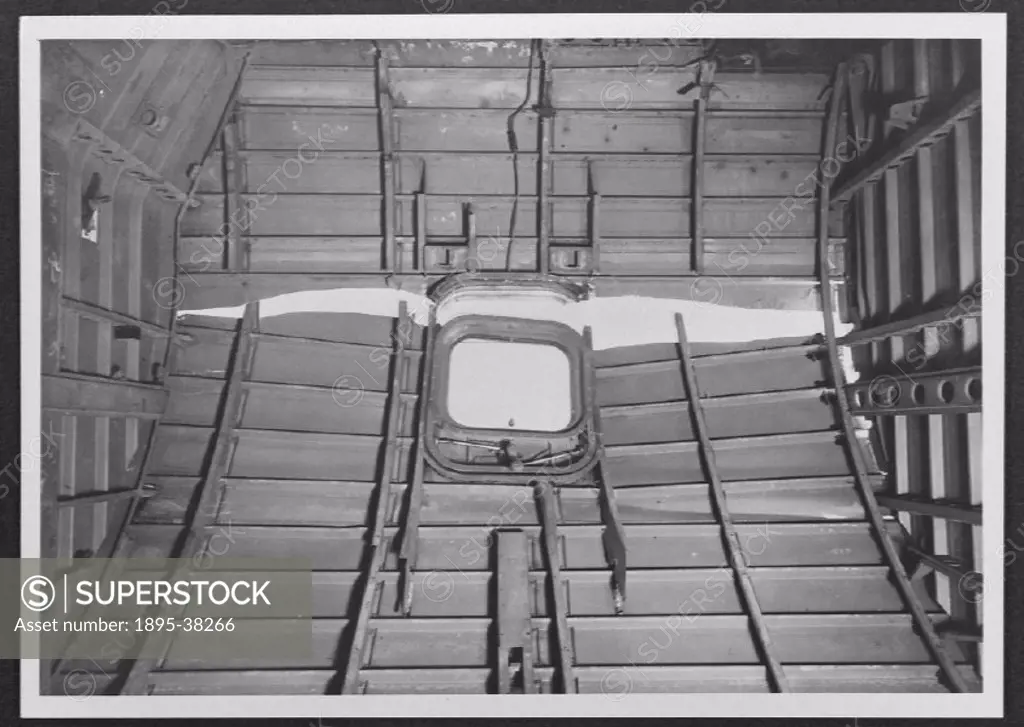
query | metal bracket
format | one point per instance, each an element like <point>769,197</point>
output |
<point>904,114</point>
<point>544,111</point>
<point>447,262</point>
<point>704,80</point>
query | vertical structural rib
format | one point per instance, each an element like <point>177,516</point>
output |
<point>967,267</point>
<point>70,284</point>
<point>387,163</point>
<point>472,248</point>
<point>133,348</point>
<point>354,663</point>
<point>421,232</point>
<point>204,512</point>
<point>549,531</point>
<point>923,622</point>
<point>867,256</point>
<point>410,528</point>
<point>104,276</point>
<point>967,274</point>
<point>595,221</point>
<point>704,71</point>
<point>894,265</point>
<point>614,536</point>
<point>737,556</point>
<point>236,215</point>
<point>930,336</point>
<point>515,634</point>
<point>544,165</point>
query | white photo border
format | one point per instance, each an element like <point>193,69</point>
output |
<point>989,28</point>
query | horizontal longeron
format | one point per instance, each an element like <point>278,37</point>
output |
<point>740,257</point>
<point>101,396</point>
<point>309,129</point>
<point>590,680</point>
<point>353,215</point>
<point>642,56</point>
<point>359,329</point>
<point>179,450</point>
<point>650,546</point>
<point>219,289</point>
<point>493,173</point>
<point>330,503</point>
<point>601,641</point>
<point>361,410</point>
<point>616,89</point>
<point>472,594</point>
<point>290,360</point>
<point>374,330</point>
<point>776,369</point>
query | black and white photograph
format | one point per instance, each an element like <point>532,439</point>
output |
<point>594,365</point>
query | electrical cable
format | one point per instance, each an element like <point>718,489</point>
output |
<point>513,147</point>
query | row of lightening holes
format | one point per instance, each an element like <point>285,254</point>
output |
<point>888,396</point>
<point>111,154</point>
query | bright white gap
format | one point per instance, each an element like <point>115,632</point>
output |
<point>614,321</point>
<point>509,385</point>
<point>520,386</point>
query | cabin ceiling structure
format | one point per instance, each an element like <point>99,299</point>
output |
<point>716,517</point>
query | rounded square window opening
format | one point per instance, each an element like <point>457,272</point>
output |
<point>510,385</point>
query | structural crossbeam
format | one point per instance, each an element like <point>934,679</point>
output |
<point>614,536</point>
<point>545,497</point>
<point>354,662</point>
<point>736,552</point>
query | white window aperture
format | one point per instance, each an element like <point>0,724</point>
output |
<point>509,385</point>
